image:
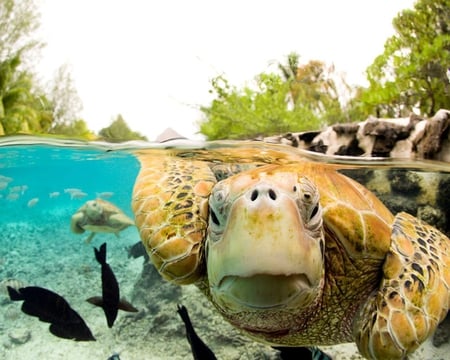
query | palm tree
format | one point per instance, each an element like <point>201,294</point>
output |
<point>289,73</point>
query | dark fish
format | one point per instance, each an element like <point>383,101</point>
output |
<point>110,300</point>
<point>304,353</point>
<point>200,350</point>
<point>54,309</point>
<point>138,250</point>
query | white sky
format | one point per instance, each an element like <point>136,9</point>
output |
<point>152,61</point>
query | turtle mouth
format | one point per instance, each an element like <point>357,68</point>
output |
<point>264,291</point>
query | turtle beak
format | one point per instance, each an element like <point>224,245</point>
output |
<point>267,256</point>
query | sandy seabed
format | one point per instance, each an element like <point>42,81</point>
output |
<point>51,257</point>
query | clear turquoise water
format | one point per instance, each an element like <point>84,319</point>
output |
<point>42,170</point>
<point>38,248</point>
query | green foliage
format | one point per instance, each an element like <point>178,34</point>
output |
<point>244,113</point>
<point>74,129</point>
<point>304,97</point>
<point>119,131</point>
<point>21,106</point>
<point>412,74</point>
<point>315,87</point>
<point>412,71</point>
<point>24,106</point>
<point>19,20</point>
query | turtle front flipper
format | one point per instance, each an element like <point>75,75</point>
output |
<point>75,222</point>
<point>170,203</point>
<point>414,294</point>
<point>90,237</point>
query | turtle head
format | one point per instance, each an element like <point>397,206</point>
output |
<point>265,242</point>
<point>94,209</point>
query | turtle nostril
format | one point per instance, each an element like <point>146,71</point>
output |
<point>272,194</point>
<point>267,192</point>
<point>254,195</point>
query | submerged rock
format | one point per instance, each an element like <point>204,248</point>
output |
<point>442,334</point>
<point>432,216</point>
<point>19,336</point>
<point>404,182</point>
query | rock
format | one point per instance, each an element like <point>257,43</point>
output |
<point>19,336</point>
<point>399,203</point>
<point>442,334</point>
<point>432,216</point>
<point>144,294</point>
<point>404,182</point>
<point>433,141</point>
<point>363,176</point>
<point>412,138</point>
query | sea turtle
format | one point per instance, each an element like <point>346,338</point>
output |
<point>99,216</point>
<point>290,251</point>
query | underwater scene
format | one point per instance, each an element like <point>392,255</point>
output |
<point>77,283</point>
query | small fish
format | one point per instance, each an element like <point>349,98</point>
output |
<point>110,300</point>
<point>77,195</point>
<point>32,202</point>
<point>54,309</point>
<point>3,185</point>
<point>18,189</point>
<point>53,194</point>
<point>6,179</point>
<point>137,250</point>
<point>105,194</point>
<point>71,190</point>
<point>12,196</point>
<point>200,350</point>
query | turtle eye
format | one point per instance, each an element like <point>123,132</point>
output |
<point>218,210</point>
<point>308,203</point>
<point>219,196</point>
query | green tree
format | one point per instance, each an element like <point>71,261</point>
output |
<point>314,85</point>
<point>252,112</point>
<point>20,105</point>
<point>66,104</point>
<point>119,131</point>
<point>412,72</point>
<point>289,73</point>
<point>19,20</point>
<point>74,129</point>
<point>303,97</point>
<point>23,106</point>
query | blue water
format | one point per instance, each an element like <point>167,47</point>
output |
<point>42,170</point>
<point>38,248</point>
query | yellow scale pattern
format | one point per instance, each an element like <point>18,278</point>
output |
<point>414,295</point>
<point>170,203</point>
